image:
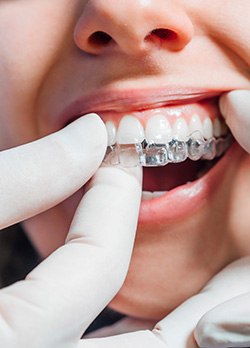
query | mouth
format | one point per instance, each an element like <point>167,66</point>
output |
<point>174,190</point>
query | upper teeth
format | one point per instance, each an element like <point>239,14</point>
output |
<point>111,130</point>
<point>130,131</point>
<point>158,129</point>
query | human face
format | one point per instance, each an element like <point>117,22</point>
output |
<point>55,65</point>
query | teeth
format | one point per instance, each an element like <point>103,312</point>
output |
<point>195,127</point>
<point>157,194</point>
<point>207,128</point>
<point>111,130</point>
<point>158,130</point>
<point>210,149</point>
<point>130,131</point>
<point>128,155</point>
<point>176,151</point>
<point>195,149</point>
<point>217,128</point>
<point>180,130</point>
<point>147,195</point>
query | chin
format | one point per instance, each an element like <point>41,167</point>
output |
<point>177,252</point>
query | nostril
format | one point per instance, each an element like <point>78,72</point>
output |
<point>163,34</point>
<point>99,38</point>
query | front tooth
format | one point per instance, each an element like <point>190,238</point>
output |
<point>146,195</point>
<point>195,127</point>
<point>157,194</point>
<point>217,128</point>
<point>130,131</point>
<point>207,128</point>
<point>180,130</point>
<point>158,130</point>
<point>111,130</point>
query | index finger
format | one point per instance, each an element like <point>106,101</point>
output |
<point>63,295</point>
<point>39,175</point>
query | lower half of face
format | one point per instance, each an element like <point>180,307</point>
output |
<point>194,216</point>
<point>174,260</point>
<point>175,254</point>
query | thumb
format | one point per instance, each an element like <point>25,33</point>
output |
<point>235,107</point>
<point>226,325</point>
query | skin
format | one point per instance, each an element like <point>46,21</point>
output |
<point>44,46</point>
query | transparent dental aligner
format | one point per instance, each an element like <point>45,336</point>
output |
<point>176,151</point>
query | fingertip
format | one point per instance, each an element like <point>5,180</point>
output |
<point>203,333</point>
<point>91,130</point>
<point>235,108</point>
<point>85,139</point>
<point>235,102</point>
<point>223,104</point>
<point>120,176</point>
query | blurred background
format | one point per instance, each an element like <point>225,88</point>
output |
<point>17,255</point>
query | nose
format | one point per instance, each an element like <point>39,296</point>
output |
<point>132,26</point>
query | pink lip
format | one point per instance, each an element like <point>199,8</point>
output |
<point>131,100</point>
<point>184,200</point>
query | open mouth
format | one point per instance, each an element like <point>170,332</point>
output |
<point>176,145</point>
<point>182,144</point>
<point>157,181</point>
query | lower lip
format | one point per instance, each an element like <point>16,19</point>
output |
<point>184,200</point>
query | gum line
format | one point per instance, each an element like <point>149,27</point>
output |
<point>176,151</point>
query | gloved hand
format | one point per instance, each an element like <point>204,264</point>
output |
<point>228,324</point>
<point>227,292</point>
<point>58,300</point>
<point>235,107</point>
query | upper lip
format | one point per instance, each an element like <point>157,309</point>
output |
<point>132,100</point>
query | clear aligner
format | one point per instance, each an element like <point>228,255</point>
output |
<point>154,155</point>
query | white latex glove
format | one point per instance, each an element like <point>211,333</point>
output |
<point>235,107</point>
<point>177,329</point>
<point>62,296</point>
<point>228,324</point>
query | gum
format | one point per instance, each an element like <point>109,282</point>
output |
<point>205,109</point>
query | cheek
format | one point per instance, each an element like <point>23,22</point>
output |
<point>34,37</point>
<point>31,39</point>
<point>228,24</point>
<point>238,216</point>
<point>47,231</point>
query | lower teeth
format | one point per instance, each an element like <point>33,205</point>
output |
<point>147,195</point>
<point>176,151</point>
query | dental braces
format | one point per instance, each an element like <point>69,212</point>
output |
<point>155,155</point>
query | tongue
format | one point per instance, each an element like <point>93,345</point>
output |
<point>170,176</point>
